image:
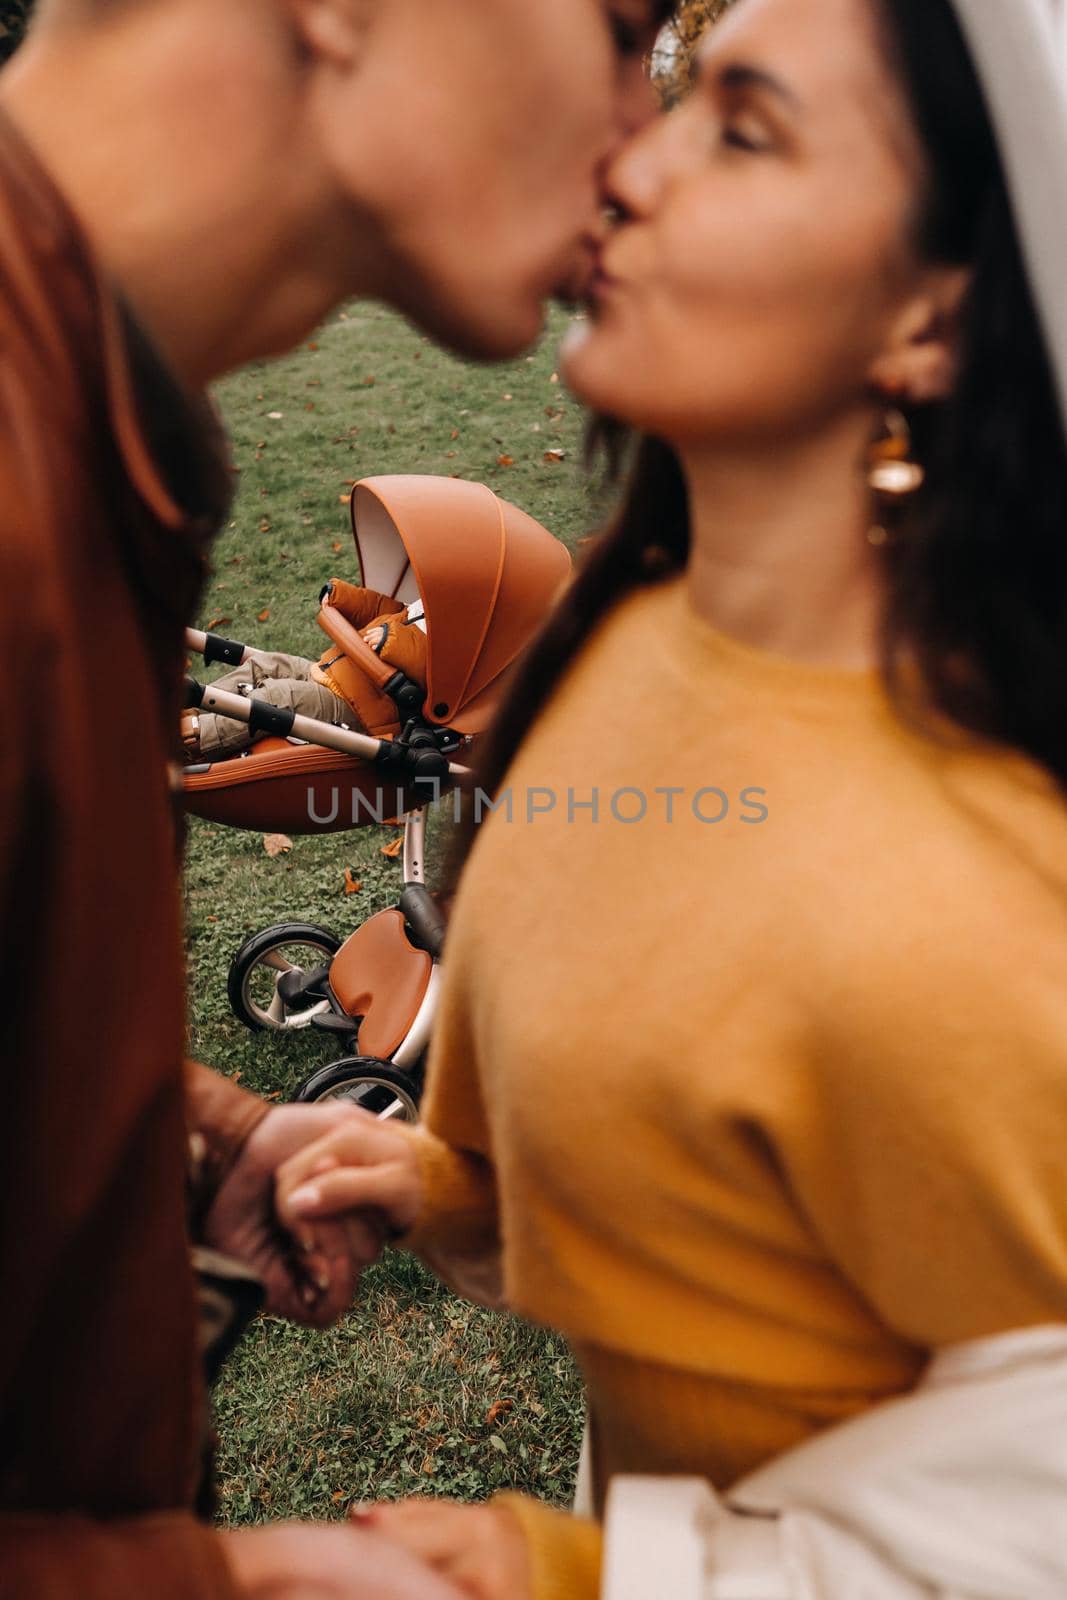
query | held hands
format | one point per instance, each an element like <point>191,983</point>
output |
<point>304,1561</point>
<point>310,1271</point>
<point>481,1549</point>
<point>363,1171</point>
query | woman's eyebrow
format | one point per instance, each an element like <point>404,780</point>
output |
<point>738,76</point>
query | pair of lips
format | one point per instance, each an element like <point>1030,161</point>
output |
<point>586,278</point>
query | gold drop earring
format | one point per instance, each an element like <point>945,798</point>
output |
<point>892,474</point>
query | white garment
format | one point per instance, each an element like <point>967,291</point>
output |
<point>957,1491</point>
<point>1020,50</point>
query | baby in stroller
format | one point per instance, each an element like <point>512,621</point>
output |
<point>333,689</point>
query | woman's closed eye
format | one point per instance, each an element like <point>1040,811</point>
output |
<point>747,134</point>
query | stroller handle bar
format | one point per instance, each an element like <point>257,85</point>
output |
<point>276,721</point>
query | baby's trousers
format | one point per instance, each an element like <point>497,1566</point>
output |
<point>280,680</point>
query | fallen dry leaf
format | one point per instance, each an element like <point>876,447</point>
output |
<point>393,850</point>
<point>352,883</point>
<point>454,434</point>
<point>345,499</point>
<point>276,844</point>
<point>264,615</point>
<point>505,461</point>
<point>553,457</point>
<point>337,547</point>
<point>499,1408</point>
<point>218,622</point>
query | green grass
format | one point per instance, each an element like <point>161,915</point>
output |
<point>403,1396</point>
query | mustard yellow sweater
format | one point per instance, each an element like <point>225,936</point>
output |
<point>756,1110</point>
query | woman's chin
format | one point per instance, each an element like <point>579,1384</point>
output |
<point>589,369</point>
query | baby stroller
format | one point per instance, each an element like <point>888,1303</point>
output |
<point>486,574</point>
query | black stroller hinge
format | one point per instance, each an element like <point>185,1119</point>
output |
<point>416,756</point>
<point>274,720</point>
<point>296,987</point>
<point>423,917</point>
<point>193,693</point>
<point>216,648</point>
<point>405,694</point>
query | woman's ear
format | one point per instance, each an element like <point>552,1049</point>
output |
<point>333,31</point>
<point>920,360</point>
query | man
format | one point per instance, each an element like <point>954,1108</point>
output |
<point>186,186</point>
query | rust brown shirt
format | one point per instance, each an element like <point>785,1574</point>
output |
<point>111,482</point>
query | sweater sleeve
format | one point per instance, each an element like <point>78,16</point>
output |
<point>458,1231</point>
<point>359,606</point>
<point>930,1148</point>
<point>220,1117</point>
<point>564,1550</point>
<point>170,1557</point>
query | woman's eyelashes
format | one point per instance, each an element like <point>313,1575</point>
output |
<point>739,136</point>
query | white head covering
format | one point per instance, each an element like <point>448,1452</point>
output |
<point>1020,50</point>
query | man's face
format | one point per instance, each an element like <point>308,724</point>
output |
<point>493,122</point>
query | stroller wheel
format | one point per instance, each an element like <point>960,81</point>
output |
<point>377,1086</point>
<point>289,948</point>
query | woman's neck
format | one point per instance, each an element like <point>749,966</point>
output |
<point>780,557</point>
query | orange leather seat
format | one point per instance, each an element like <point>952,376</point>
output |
<point>379,975</point>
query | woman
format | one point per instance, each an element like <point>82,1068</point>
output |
<point>757,1077</point>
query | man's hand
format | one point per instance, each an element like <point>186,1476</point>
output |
<point>481,1549</point>
<point>309,1269</point>
<point>307,1561</point>
<point>362,1168</point>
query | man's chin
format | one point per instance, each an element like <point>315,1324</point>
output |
<point>492,335</point>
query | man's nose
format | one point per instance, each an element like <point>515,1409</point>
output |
<point>639,100</point>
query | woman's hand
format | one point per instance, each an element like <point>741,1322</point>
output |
<point>309,1561</point>
<point>480,1549</point>
<point>364,1165</point>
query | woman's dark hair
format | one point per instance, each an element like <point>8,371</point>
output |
<point>977,570</point>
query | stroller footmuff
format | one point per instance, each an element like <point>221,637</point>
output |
<point>481,576</point>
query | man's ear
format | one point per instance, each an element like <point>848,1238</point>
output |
<point>920,361</point>
<point>333,31</point>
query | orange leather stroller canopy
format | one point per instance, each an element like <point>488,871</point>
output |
<point>487,574</point>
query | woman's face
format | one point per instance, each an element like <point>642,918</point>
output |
<point>765,258</point>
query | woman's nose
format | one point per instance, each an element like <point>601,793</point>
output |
<point>635,175</point>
